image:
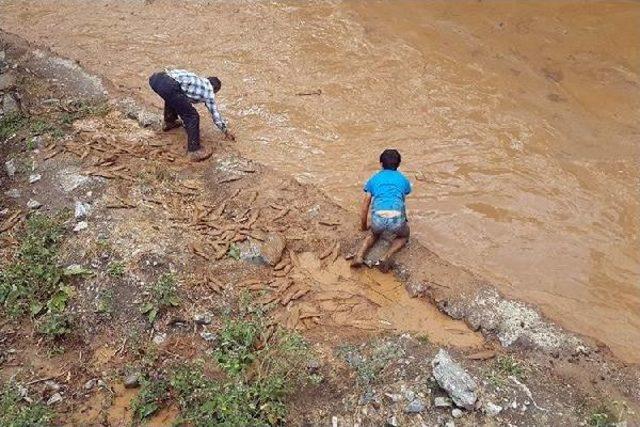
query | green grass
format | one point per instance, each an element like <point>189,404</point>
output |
<point>149,399</point>
<point>15,412</point>
<point>33,280</point>
<point>12,123</point>
<point>609,415</point>
<point>371,362</point>
<point>163,295</point>
<point>251,389</point>
<point>115,269</point>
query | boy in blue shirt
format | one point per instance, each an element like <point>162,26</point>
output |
<point>387,190</point>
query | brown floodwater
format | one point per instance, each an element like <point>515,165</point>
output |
<point>517,121</point>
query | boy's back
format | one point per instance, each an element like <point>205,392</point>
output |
<point>388,189</point>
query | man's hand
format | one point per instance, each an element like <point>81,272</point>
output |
<point>229,136</point>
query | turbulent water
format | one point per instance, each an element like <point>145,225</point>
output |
<point>517,121</point>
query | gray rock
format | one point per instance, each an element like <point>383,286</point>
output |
<point>10,104</point>
<point>409,395</point>
<point>415,406</point>
<point>55,398</point>
<point>456,413</point>
<point>271,249</point>
<point>7,81</point>
<point>81,210</point>
<point>415,289</point>
<point>491,409</point>
<point>392,422</point>
<point>14,193</point>
<point>450,424</point>
<point>313,366</point>
<point>442,402</point>
<point>71,179</point>
<point>33,178</point>
<point>52,385</point>
<point>82,225</point>
<point>209,336</point>
<point>90,384</point>
<point>33,204</point>
<point>202,319</point>
<point>10,167</point>
<point>454,380</point>
<point>132,380</point>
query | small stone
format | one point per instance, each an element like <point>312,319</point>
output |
<point>160,338</point>
<point>91,384</point>
<point>10,167</point>
<point>132,380</point>
<point>491,409</point>
<point>202,319</point>
<point>81,210</point>
<point>409,395</point>
<point>33,204</point>
<point>209,336</point>
<point>392,422</point>
<point>14,193</point>
<point>393,397</point>
<point>450,424</point>
<point>416,406</point>
<point>271,249</point>
<point>33,178</point>
<point>456,413</point>
<point>313,366</point>
<point>52,385</point>
<point>82,225</point>
<point>4,211</point>
<point>442,402</point>
<point>9,104</point>
<point>7,82</point>
<point>57,397</point>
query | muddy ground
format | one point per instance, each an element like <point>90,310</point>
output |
<point>234,232</point>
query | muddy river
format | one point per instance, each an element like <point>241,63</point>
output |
<point>517,121</point>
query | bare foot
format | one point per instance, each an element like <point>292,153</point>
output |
<point>203,153</point>
<point>171,125</point>
<point>384,265</point>
<point>356,263</point>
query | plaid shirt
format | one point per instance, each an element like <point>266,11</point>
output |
<point>199,90</point>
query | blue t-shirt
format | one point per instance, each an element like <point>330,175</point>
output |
<point>388,189</point>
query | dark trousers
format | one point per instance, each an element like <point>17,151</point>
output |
<point>177,104</point>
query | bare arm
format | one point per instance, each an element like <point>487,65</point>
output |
<point>364,212</point>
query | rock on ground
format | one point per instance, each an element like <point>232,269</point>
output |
<point>272,248</point>
<point>454,380</point>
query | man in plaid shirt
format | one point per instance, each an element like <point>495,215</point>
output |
<point>180,89</point>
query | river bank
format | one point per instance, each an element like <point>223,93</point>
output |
<point>148,212</point>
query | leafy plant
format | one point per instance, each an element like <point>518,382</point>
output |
<point>12,123</point>
<point>234,252</point>
<point>54,325</point>
<point>609,415</point>
<point>163,295</point>
<point>34,277</point>
<point>370,366</point>
<point>15,412</point>
<point>236,348</point>
<point>105,303</point>
<point>149,399</point>
<point>509,366</point>
<point>115,269</point>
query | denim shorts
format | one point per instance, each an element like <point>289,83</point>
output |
<point>397,225</point>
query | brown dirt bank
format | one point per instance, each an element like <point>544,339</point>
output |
<point>161,213</point>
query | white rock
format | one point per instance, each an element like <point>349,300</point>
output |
<point>33,178</point>
<point>10,167</point>
<point>14,193</point>
<point>159,338</point>
<point>82,225</point>
<point>57,397</point>
<point>454,380</point>
<point>81,210</point>
<point>456,413</point>
<point>491,409</point>
<point>442,402</point>
<point>33,204</point>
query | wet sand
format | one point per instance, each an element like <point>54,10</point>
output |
<point>517,122</point>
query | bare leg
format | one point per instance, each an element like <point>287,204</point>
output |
<point>358,259</point>
<point>397,244</point>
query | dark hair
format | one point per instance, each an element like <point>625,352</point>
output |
<point>390,159</point>
<point>216,83</point>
